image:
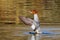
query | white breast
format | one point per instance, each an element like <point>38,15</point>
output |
<point>36,18</point>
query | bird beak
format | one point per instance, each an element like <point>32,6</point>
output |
<point>30,12</point>
<point>33,12</point>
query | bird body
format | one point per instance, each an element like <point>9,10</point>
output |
<point>35,24</point>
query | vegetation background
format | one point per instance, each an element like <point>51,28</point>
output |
<point>48,10</point>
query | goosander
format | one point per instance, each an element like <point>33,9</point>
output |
<point>35,24</point>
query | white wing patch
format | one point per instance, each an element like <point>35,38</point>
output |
<point>33,26</point>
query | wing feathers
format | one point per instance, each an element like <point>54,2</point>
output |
<point>26,20</point>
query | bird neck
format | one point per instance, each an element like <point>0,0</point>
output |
<point>36,17</point>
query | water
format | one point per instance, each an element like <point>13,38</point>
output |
<point>17,32</point>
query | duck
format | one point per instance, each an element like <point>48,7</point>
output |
<point>35,23</point>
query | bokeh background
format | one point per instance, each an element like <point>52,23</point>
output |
<point>48,10</point>
<point>10,10</point>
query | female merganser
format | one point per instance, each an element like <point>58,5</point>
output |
<point>35,24</point>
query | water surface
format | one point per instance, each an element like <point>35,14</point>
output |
<point>17,32</point>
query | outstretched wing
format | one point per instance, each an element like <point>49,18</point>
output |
<point>25,20</point>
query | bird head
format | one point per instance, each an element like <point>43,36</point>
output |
<point>34,12</point>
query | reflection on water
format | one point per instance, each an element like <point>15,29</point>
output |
<point>12,32</point>
<point>35,37</point>
<point>44,37</point>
